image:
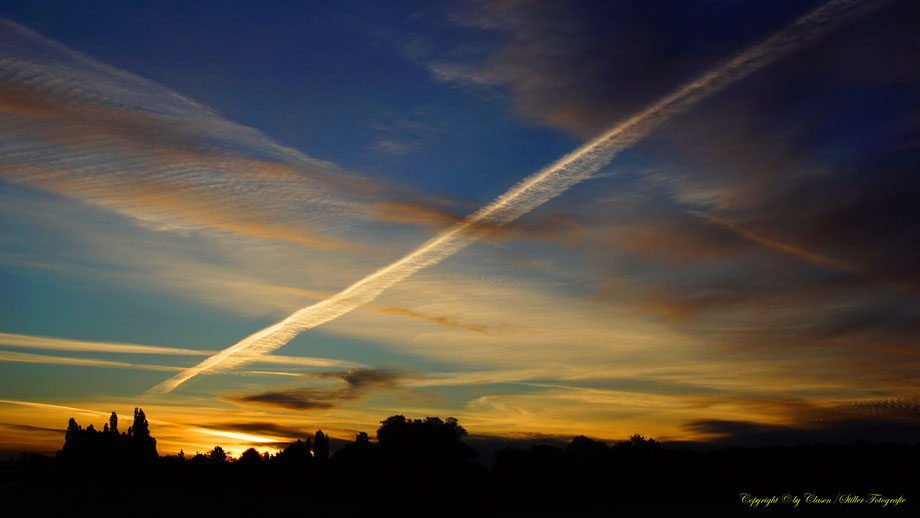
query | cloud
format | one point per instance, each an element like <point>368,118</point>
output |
<point>394,147</point>
<point>10,356</point>
<point>285,361</point>
<point>669,240</point>
<point>444,321</point>
<point>172,189</point>
<point>805,173</point>
<point>896,420</point>
<point>807,255</point>
<point>357,383</point>
<point>299,399</point>
<point>259,427</point>
<point>752,434</point>
<point>577,66</point>
<point>34,429</point>
<point>390,310</point>
<point>537,188</point>
<point>77,127</point>
<point>64,344</point>
<point>302,361</point>
<point>545,226</point>
<point>717,309</point>
<point>365,378</point>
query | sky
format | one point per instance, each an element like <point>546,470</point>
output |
<point>739,269</point>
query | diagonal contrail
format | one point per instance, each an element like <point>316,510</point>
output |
<point>787,248</point>
<point>537,188</point>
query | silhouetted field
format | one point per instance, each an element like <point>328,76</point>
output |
<point>423,466</point>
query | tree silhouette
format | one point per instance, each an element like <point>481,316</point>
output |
<point>217,455</point>
<point>73,435</point>
<point>427,459</point>
<point>637,443</point>
<point>144,447</point>
<point>429,442</point>
<point>321,446</point>
<point>585,451</point>
<point>296,456</point>
<point>250,458</point>
<point>74,442</point>
<point>140,426</point>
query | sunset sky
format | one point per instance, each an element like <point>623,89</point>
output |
<point>176,176</point>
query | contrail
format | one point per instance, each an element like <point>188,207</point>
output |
<point>537,188</point>
<point>807,255</point>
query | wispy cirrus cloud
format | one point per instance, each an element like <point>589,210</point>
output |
<point>77,127</point>
<point>689,313</point>
<point>579,66</point>
<point>760,205</point>
<point>541,186</point>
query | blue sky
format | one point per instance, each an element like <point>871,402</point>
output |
<point>182,176</point>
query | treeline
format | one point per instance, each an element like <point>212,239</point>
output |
<point>427,462</point>
<point>109,448</point>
